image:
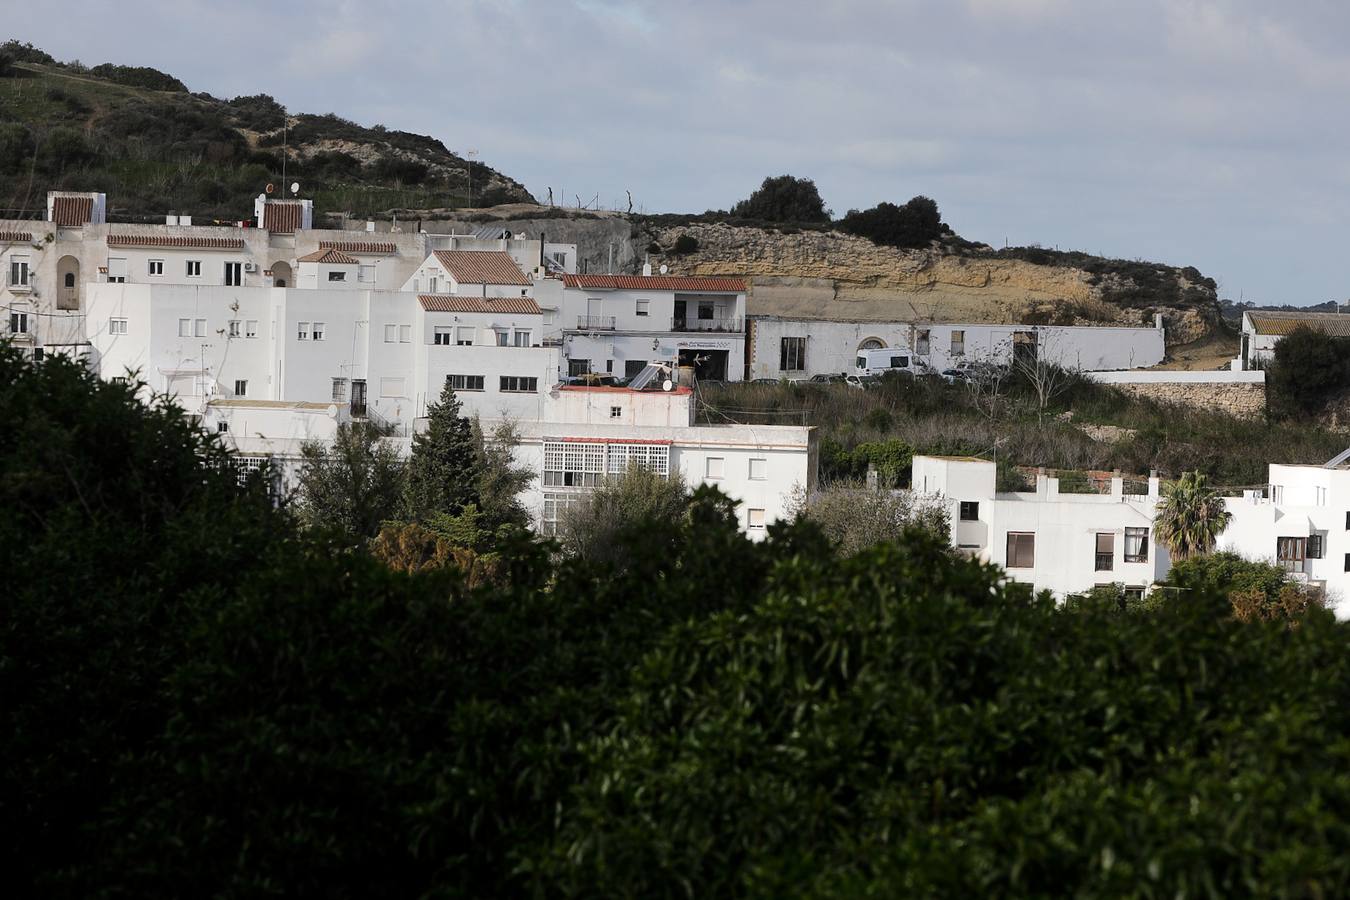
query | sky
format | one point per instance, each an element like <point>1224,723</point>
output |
<point>1191,132</point>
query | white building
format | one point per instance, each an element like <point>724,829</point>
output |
<point>617,324</point>
<point>589,433</point>
<point>800,348</point>
<point>1262,330</point>
<point>1060,542</point>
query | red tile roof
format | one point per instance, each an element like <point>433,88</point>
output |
<point>15,237</point>
<point>482,267</point>
<point>714,284</point>
<point>72,210</point>
<point>452,303</point>
<point>283,216</point>
<point>173,240</point>
<point>365,247</point>
<point>331,257</point>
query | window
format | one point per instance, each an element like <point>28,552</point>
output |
<point>339,389</point>
<point>1106,552</point>
<point>18,271</point>
<point>465,382</point>
<point>705,310</point>
<point>391,387</point>
<point>222,427</point>
<point>969,511</point>
<point>792,354</point>
<point>560,258</point>
<point>70,279</point>
<point>390,334</point>
<point>573,464</point>
<point>405,334</point>
<point>578,366</point>
<point>616,412</point>
<point>251,328</point>
<point>555,508</point>
<point>503,338</point>
<point>1277,493</point>
<point>442,335</point>
<point>759,469</point>
<point>302,331</point>
<point>194,268</point>
<point>609,365</point>
<point>958,343</point>
<point>899,362</point>
<point>643,307</point>
<point>1317,543</point>
<point>240,387</point>
<point>432,286</point>
<point>365,273</point>
<point>337,276</point>
<point>1290,553</point>
<point>199,328</point>
<point>18,322</point>
<point>633,367</point>
<point>714,467</point>
<point>234,274</point>
<point>464,337</point>
<point>155,267</point>
<point>117,326</point>
<point>234,328</point>
<point>1321,496</point>
<point>522,338</point>
<point>1021,550</point>
<point>921,342</point>
<point>1347,562</point>
<point>754,519</point>
<point>318,331</point>
<point>185,328</point>
<point>1136,545</point>
<point>515,384</point>
<point>117,270</point>
<point>1134,593</point>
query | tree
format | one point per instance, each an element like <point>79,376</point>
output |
<point>353,485</point>
<point>784,199</point>
<point>600,526</point>
<point>1310,369</point>
<point>855,518</point>
<point>444,467</point>
<point>500,479</point>
<point>1047,379</point>
<point>1190,517</point>
<point>916,224</point>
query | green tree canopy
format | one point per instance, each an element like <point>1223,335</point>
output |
<point>784,198</point>
<point>1309,371</point>
<point>1191,516</point>
<point>352,485</point>
<point>444,468</point>
<point>915,224</point>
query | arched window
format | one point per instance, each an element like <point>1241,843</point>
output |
<point>872,344</point>
<point>280,282</point>
<point>70,279</point>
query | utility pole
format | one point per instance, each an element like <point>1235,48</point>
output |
<point>469,155</point>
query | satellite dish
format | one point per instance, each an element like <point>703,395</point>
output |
<point>271,188</point>
<point>331,411</point>
<point>664,268</point>
<point>295,187</point>
<point>667,385</point>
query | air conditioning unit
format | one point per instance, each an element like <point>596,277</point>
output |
<point>250,267</point>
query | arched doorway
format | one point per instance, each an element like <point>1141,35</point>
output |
<point>872,343</point>
<point>281,274</point>
<point>68,283</point>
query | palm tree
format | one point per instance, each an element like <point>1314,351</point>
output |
<point>1191,516</point>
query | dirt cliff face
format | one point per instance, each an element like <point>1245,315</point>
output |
<point>832,275</point>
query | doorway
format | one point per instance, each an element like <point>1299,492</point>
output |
<point>709,365</point>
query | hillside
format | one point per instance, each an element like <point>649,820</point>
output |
<point>140,136</point>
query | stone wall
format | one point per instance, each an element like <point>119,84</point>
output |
<point>1242,400</point>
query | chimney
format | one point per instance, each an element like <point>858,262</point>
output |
<point>647,269</point>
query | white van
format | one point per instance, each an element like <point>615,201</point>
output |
<point>887,359</point>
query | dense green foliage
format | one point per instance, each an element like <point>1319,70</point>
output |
<point>1191,516</point>
<point>933,417</point>
<point>442,476</point>
<point>1310,371</point>
<point>136,134</point>
<point>784,198</point>
<point>594,528</point>
<point>1257,590</point>
<point>352,485</point>
<point>916,224</point>
<point>202,700</point>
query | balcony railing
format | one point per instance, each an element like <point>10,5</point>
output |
<point>724,324</point>
<point>595,323</point>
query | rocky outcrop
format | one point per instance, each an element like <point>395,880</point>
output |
<point>1242,400</point>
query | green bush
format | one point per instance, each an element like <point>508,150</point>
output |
<point>1310,370</point>
<point>139,76</point>
<point>784,199</point>
<point>916,224</point>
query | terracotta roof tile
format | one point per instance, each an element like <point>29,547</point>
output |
<point>383,248</point>
<point>72,210</point>
<point>454,303</point>
<point>15,237</point>
<point>481,267</point>
<point>714,284</point>
<point>173,240</point>
<point>283,216</point>
<point>1334,324</point>
<point>331,257</point>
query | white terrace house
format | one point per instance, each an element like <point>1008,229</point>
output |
<point>471,273</point>
<point>382,354</point>
<point>617,324</point>
<point>1262,330</point>
<point>1060,542</point>
<point>590,433</point>
<point>800,348</point>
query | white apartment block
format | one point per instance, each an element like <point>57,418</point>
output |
<point>800,348</point>
<point>1060,542</point>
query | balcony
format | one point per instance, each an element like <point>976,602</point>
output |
<point>720,324</point>
<point>596,323</point>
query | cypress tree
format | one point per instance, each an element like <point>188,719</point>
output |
<point>444,469</point>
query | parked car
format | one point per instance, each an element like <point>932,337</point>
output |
<point>767,381</point>
<point>826,379</point>
<point>863,382</point>
<point>593,379</point>
<point>955,376</point>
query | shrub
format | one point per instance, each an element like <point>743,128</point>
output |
<point>916,224</point>
<point>140,77</point>
<point>784,199</point>
<point>65,148</point>
<point>22,51</point>
<point>258,112</point>
<point>602,527</point>
<point>855,518</point>
<point>1310,370</point>
<point>396,168</point>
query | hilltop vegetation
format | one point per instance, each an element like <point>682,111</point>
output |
<point>154,147</point>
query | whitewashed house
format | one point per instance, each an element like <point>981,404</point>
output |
<point>1263,329</point>
<point>471,273</point>
<point>1061,542</point>
<point>617,324</point>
